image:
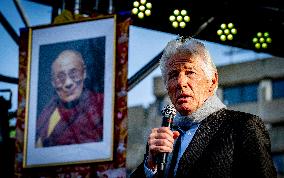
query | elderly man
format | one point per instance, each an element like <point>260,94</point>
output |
<point>212,141</point>
<point>75,114</point>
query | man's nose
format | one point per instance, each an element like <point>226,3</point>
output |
<point>182,81</point>
<point>68,83</point>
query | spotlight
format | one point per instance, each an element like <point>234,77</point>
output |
<point>141,8</point>
<point>261,40</point>
<point>179,18</point>
<point>226,31</point>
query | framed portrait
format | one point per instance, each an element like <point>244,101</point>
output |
<point>70,93</point>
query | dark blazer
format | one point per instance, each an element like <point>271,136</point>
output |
<point>227,144</point>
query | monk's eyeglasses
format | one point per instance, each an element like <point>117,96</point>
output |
<point>74,74</point>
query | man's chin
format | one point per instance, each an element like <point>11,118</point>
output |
<point>69,99</point>
<point>184,109</point>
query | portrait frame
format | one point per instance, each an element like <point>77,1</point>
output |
<point>95,40</point>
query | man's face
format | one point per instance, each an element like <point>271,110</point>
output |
<point>187,84</point>
<point>68,77</point>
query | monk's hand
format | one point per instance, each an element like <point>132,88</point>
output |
<point>160,140</point>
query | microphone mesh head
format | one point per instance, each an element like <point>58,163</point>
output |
<point>169,111</point>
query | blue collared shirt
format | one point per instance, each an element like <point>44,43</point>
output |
<point>186,138</point>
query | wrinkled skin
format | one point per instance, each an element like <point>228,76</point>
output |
<point>188,88</point>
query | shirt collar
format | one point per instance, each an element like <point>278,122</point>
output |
<point>211,105</point>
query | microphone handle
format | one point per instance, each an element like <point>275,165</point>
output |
<point>167,122</point>
<point>162,157</point>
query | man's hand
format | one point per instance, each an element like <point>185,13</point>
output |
<point>160,140</point>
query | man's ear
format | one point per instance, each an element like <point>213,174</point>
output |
<point>214,82</point>
<point>85,74</point>
<point>52,83</point>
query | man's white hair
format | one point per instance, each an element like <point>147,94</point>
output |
<point>188,47</point>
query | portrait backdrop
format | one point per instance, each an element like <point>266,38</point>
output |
<point>93,53</point>
<point>114,168</point>
<point>56,132</point>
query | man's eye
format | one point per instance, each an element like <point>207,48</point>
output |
<point>61,76</point>
<point>189,73</point>
<point>173,75</point>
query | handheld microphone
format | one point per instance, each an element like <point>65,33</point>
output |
<point>168,113</point>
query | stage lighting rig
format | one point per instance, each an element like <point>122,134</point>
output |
<point>179,18</point>
<point>227,31</point>
<point>141,8</point>
<point>261,40</point>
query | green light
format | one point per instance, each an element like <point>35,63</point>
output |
<point>223,37</point>
<point>227,31</point>
<point>268,40</point>
<point>186,18</point>
<point>264,45</point>
<point>172,18</point>
<point>12,134</point>
<point>219,32</point>
<point>140,15</point>
<point>179,18</point>
<point>230,37</point>
<point>135,11</point>
<point>135,3</point>
<point>257,45</point>
<point>148,12</point>
<point>259,34</point>
<point>183,12</point>
<point>266,34</point>
<point>149,5</point>
<point>261,40</point>
<point>142,8</point>
<point>223,26</point>
<point>175,24</point>
<point>234,31</point>
<point>230,25</point>
<point>255,40</point>
<point>176,12</point>
<point>182,24</point>
<point>142,1</point>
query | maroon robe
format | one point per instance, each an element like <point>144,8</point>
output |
<point>80,123</point>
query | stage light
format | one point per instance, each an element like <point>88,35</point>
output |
<point>223,37</point>
<point>135,4</point>
<point>182,24</point>
<point>147,12</point>
<point>183,12</point>
<point>233,31</point>
<point>230,37</point>
<point>179,18</point>
<point>230,25</point>
<point>141,8</point>
<point>186,18</point>
<point>227,31</point>
<point>220,32</point>
<point>175,24</point>
<point>135,11</point>
<point>261,40</point>
<point>140,15</point>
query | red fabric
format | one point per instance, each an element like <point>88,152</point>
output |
<point>82,123</point>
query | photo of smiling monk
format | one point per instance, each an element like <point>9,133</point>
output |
<point>74,115</point>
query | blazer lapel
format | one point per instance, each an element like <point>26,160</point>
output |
<point>206,131</point>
